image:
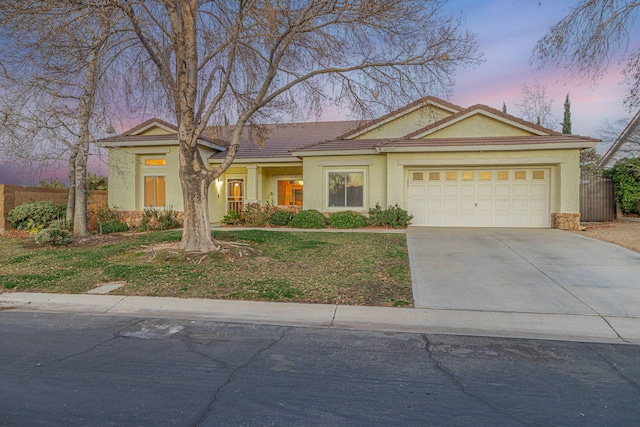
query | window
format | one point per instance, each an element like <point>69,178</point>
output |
<point>289,192</point>
<point>467,176</point>
<point>434,176</point>
<point>154,191</point>
<point>520,175</point>
<point>451,176</point>
<point>346,189</point>
<point>155,162</point>
<point>485,176</point>
<point>503,175</point>
<point>418,176</point>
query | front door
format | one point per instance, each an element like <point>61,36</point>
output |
<point>235,194</point>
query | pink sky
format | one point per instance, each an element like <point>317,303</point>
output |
<point>507,32</point>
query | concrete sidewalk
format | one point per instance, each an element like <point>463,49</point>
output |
<point>570,327</point>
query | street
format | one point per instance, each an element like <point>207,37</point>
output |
<point>70,369</point>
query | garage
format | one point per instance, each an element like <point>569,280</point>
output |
<point>481,197</point>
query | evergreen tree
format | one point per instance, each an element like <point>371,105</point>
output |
<point>504,107</point>
<point>566,123</point>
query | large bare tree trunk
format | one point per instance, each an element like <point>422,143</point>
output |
<point>80,223</point>
<point>196,234</point>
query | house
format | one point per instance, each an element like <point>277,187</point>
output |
<point>447,165</point>
<point>626,145</point>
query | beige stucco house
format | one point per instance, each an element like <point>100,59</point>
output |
<point>447,165</point>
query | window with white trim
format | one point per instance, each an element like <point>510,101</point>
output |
<point>289,192</point>
<point>345,189</point>
<point>155,190</point>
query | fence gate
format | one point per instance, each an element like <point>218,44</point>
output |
<point>597,198</point>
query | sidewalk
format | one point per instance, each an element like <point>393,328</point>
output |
<point>569,327</point>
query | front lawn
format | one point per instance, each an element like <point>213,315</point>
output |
<point>341,268</point>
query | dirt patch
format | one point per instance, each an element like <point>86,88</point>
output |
<point>623,233</point>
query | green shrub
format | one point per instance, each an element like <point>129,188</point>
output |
<point>310,218</point>
<point>155,219</point>
<point>113,226</point>
<point>347,219</point>
<point>53,236</point>
<point>626,182</point>
<point>36,215</point>
<point>393,216</point>
<point>280,218</point>
<point>232,218</point>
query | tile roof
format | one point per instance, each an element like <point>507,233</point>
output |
<point>130,135</point>
<point>280,139</point>
<point>624,136</point>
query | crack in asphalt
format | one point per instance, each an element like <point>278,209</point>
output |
<point>190,342</point>
<point>229,379</point>
<point>462,388</point>
<point>613,366</point>
<point>116,335</point>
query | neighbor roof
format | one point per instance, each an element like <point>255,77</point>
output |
<point>631,127</point>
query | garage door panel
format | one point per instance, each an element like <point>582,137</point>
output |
<point>499,197</point>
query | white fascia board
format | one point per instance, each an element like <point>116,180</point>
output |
<point>285,161</point>
<point>481,148</point>
<point>484,162</point>
<point>136,143</point>
<point>335,153</point>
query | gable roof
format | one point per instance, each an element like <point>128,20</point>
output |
<point>422,102</point>
<point>488,112</point>
<point>632,127</point>
<point>136,137</point>
<point>278,140</point>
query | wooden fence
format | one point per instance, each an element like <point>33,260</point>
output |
<point>12,196</point>
<point>597,198</point>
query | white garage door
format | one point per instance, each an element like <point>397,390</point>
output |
<point>514,197</point>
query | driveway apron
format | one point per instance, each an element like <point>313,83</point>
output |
<point>522,270</point>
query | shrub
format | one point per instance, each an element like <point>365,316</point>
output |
<point>53,236</point>
<point>232,218</point>
<point>113,226</point>
<point>393,216</point>
<point>347,219</point>
<point>280,218</point>
<point>255,215</point>
<point>310,218</point>
<point>156,219</point>
<point>626,182</point>
<point>36,215</point>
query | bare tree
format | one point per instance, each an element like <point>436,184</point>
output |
<point>53,58</point>
<point>590,37</point>
<point>246,60</point>
<point>536,105</point>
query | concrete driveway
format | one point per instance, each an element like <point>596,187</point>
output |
<point>539,271</point>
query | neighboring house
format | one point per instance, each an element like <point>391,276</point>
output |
<point>446,165</point>
<point>626,145</point>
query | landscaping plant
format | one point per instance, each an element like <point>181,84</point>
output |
<point>309,218</point>
<point>626,182</point>
<point>393,217</point>
<point>35,216</point>
<point>347,219</point>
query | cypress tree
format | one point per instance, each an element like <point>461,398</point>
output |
<point>566,123</point>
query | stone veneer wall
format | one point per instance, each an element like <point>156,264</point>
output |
<point>566,221</point>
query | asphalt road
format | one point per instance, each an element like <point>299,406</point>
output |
<point>61,369</point>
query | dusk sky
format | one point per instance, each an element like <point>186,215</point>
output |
<point>507,31</point>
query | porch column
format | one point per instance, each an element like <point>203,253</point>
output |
<point>252,184</point>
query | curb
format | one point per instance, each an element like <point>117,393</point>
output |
<point>584,328</point>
